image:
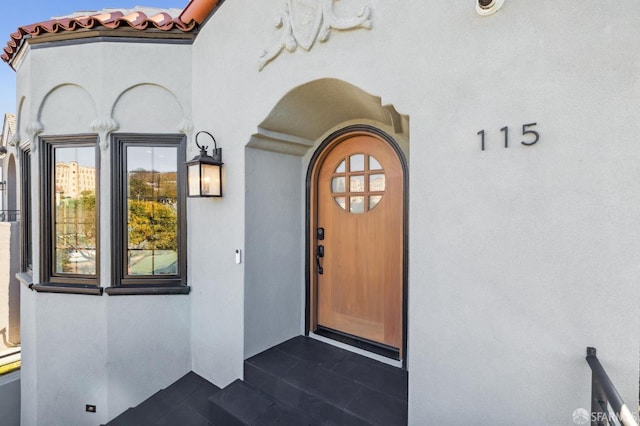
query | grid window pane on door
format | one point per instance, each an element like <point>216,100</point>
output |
<point>358,183</point>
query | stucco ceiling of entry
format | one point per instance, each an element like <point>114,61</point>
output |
<point>310,110</point>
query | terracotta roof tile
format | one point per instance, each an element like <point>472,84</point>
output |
<point>142,19</point>
<point>199,10</point>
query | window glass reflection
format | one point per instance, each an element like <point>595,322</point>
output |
<point>75,210</point>
<point>357,184</point>
<point>337,184</point>
<point>376,183</point>
<point>356,163</point>
<point>374,200</point>
<point>356,204</point>
<point>374,164</point>
<point>152,187</point>
<point>362,188</point>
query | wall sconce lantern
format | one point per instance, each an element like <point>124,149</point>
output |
<point>3,184</point>
<point>3,152</point>
<point>204,172</point>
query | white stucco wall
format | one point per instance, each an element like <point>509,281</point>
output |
<point>108,351</point>
<point>518,256</point>
<point>274,298</point>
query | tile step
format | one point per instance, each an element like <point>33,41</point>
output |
<point>241,404</point>
<point>333,386</point>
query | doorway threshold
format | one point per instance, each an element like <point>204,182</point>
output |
<point>350,348</point>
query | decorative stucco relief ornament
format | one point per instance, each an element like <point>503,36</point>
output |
<point>34,129</point>
<point>186,126</point>
<point>305,21</point>
<point>15,139</point>
<point>103,126</point>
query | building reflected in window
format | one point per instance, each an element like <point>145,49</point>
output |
<point>75,211</point>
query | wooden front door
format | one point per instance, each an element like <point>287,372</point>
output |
<point>358,241</point>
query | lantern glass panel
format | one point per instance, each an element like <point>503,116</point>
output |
<point>193,179</point>
<point>210,180</point>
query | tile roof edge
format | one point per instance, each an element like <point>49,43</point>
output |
<point>113,20</point>
<point>198,10</point>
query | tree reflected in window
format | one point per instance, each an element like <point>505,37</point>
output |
<point>152,211</point>
<point>75,211</point>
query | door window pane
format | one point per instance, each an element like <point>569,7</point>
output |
<point>337,184</point>
<point>363,188</point>
<point>376,183</point>
<point>356,205</point>
<point>373,164</point>
<point>356,163</point>
<point>374,200</point>
<point>357,184</point>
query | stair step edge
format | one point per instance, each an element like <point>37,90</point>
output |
<point>277,386</point>
<point>269,405</point>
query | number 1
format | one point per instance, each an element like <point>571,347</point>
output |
<point>505,129</point>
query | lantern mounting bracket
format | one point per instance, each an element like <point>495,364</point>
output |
<point>216,153</point>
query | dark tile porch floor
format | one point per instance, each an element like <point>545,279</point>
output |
<point>299,382</point>
<point>185,402</point>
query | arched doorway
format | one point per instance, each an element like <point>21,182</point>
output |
<point>277,161</point>
<point>357,247</point>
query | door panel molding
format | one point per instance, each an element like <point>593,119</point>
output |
<point>310,297</point>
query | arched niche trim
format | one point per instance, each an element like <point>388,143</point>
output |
<point>307,112</point>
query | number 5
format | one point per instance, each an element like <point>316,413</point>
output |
<point>530,132</point>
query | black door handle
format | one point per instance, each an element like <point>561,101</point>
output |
<point>319,254</point>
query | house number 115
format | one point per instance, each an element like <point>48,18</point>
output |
<point>531,136</point>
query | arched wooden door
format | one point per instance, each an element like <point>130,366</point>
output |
<point>357,241</point>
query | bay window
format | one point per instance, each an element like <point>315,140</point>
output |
<point>69,215</point>
<point>149,221</point>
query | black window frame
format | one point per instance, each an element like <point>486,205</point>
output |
<point>122,283</point>
<point>26,209</point>
<point>50,281</point>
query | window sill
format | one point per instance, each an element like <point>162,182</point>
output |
<point>130,290</point>
<point>25,278</point>
<point>89,290</point>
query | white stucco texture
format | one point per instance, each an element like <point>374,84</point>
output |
<point>111,352</point>
<point>519,257</point>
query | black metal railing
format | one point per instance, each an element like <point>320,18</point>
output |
<point>9,215</point>
<point>605,395</point>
